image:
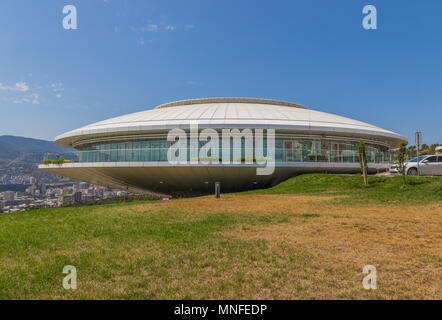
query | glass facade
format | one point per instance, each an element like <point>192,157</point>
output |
<point>286,150</point>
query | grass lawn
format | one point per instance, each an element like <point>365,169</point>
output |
<point>381,190</point>
<point>307,238</point>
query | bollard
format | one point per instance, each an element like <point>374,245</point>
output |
<point>217,189</point>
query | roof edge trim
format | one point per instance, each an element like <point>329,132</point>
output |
<point>230,100</point>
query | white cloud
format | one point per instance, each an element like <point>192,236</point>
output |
<point>58,95</point>
<point>152,27</point>
<point>36,98</point>
<point>188,26</point>
<point>19,101</point>
<point>19,86</point>
<point>169,28</point>
<point>56,87</point>
<point>33,98</point>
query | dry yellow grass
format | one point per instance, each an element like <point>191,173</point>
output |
<point>404,243</point>
<point>241,246</point>
<point>244,204</point>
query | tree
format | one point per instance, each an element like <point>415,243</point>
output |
<point>412,151</point>
<point>363,161</point>
<point>401,160</point>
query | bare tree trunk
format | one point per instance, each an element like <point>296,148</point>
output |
<point>362,161</point>
<point>364,172</point>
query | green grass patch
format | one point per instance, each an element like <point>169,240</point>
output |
<point>380,189</point>
<point>141,250</point>
<point>122,252</point>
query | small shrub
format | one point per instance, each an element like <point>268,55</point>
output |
<point>58,161</point>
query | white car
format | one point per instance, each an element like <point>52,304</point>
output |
<point>394,167</point>
<point>428,166</point>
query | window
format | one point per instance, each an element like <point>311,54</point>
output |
<point>415,159</point>
<point>431,159</point>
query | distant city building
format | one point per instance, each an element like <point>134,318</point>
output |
<point>43,195</point>
<point>65,199</point>
<point>84,185</point>
<point>88,197</point>
<point>9,196</point>
<point>31,189</point>
<point>77,196</point>
<point>42,189</point>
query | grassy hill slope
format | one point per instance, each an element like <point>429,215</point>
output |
<point>298,240</point>
<point>381,189</point>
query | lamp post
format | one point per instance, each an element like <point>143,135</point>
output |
<point>418,138</point>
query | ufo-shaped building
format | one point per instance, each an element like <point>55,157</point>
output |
<point>132,152</point>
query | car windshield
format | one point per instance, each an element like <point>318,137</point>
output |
<point>415,159</point>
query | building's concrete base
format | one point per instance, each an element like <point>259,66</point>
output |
<point>164,178</point>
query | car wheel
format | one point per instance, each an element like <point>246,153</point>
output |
<point>412,172</point>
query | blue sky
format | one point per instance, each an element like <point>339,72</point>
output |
<point>129,56</point>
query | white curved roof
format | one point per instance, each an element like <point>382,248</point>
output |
<point>231,113</point>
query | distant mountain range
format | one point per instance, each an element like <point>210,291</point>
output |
<point>12,147</point>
